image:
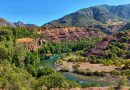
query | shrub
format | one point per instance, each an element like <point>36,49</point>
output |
<point>3,53</point>
<point>125,39</point>
<point>14,78</point>
<point>115,72</point>
<point>89,73</point>
<point>122,82</point>
<point>76,66</point>
<point>45,71</point>
<point>55,81</point>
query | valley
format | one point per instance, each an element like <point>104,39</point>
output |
<point>85,50</point>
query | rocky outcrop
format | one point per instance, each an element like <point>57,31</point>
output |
<point>71,33</point>
<point>31,44</point>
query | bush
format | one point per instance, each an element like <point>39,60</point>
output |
<point>45,71</point>
<point>111,88</point>
<point>122,82</point>
<point>125,39</point>
<point>89,73</point>
<point>55,81</point>
<point>3,53</point>
<point>65,69</point>
<point>14,78</point>
<point>115,72</point>
<point>76,66</point>
<point>89,84</point>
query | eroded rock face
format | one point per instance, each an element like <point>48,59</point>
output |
<point>71,33</point>
<point>100,46</point>
<point>31,44</point>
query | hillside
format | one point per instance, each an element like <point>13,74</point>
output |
<point>111,47</point>
<point>72,33</point>
<point>97,15</point>
<point>125,27</point>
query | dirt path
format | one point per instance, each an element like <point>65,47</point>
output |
<point>26,40</point>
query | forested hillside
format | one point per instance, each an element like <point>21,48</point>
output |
<point>19,70</point>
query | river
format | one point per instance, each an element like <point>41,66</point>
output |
<point>98,80</point>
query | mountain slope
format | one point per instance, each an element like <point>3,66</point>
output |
<point>125,27</point>
<point>94,15</point>
<point>122,11</point>
<point>72,33</point>
<point>3,22</point>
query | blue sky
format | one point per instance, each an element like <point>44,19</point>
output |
<point>42,11</point>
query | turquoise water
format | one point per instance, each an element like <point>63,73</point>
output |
<point>100,81</point>
<point>50,62</point>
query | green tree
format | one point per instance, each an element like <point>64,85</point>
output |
<point>45,71</point>
<point>55,81</point>
<point>3,53</point>
<point>14,78</point>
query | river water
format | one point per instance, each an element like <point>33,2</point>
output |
<point>100,81</point>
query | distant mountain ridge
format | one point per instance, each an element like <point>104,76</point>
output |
<point>21,24</point>
<point>95,15</point>
<point>3,22</point>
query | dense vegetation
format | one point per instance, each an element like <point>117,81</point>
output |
<point>19,70</point>
<point>14,78</point>
<point>117,51</point>
<point>67,47</point>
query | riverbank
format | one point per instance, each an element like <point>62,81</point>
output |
<point>83,80</point>
<point>70,66</point>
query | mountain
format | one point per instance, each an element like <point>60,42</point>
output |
<point>110,26</point>
<point>31,25</point>
<point>3,22</point>
<point>21,24</point>
<point>122,11</point>
<point>95,16</point>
